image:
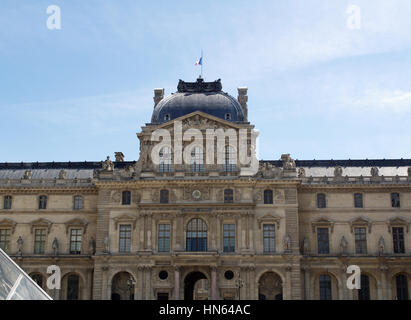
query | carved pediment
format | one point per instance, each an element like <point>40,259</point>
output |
<point>322,222</point>
<point>125,218</point>
<point>269,218</point>
<point>77,222</point>
<point>41,223</point>
<point>360,222</point>
<point>398,221</point>
<point>8,223</point>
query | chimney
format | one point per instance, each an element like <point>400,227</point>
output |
<point>158,95</point>
<point>242,99</point>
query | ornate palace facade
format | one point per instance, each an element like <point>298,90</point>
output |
<point>145,230</point>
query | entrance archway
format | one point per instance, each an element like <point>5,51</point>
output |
<point>192,289</point>
<point>122,287</point>
<point>270,287</point>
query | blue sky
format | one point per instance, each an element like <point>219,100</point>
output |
<point>317,89</point>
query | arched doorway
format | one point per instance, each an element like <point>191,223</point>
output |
<point>270,287</point>
<point>195,286</point>
<point>122,286</point>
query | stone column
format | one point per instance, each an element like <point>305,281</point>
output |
<point>306,283</point>
<point>213,283</point>
<point>139,283</point>
<point>176,283</point>
<point>287,295</point>
<point>253,295</point>
<point>180,232</point>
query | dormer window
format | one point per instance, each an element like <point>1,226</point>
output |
<point>167,117</point>
<point>228,116</point>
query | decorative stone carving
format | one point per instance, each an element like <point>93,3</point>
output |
<point>374,172</point>
<point>119,156</point>
<point>267,170</point>
<point>343,245</point>
<point>107,165</point>
<point>92,245</point>
<point>288,162</point>
<point>62,174</point>
<point>27,175</point>
<point>106,244</point>
<point>115,195</point>
<point>305,247</point>
<point>338,172</point>
<point>199,86</point>
<point>55,247</point>
<point>301,173</point>
<point>20,243</point>
<point>287,242</point>
<point>381,246</point>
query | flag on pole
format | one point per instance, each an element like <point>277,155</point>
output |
<point>199,62</point>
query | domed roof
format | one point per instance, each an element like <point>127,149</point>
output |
<point>201,96</point>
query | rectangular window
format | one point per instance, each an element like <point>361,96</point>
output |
<point>163,238</point>
<point>39,241</point>
<point>164,196</point>
<point>78,203</point>
<point>7,202</point>
<point>360,240</point>
<point>42,202</point>
<point>321,202</point>
<point>398,239</point>
<point>126,198</point>
<point>228,196</point>
<point>269,237</point>
<point>395,200</point>
<point>358,200</point>
<point>229,237</point>
<point>125,238</point>
<point>75,241</point>
<point>323,241</point>
<point>5,239</point>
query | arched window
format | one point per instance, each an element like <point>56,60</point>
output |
<point>229,159</point>
<point>325,287</point>
<point>402,287</point>
<point>126,198</point>
<point>196,235</point>
<point>197,160</point>
<point>73,282</point>
<point>78,203</point>
<point>166,160</point>
<point>321,203</point>
<point>364,292</point>
<point>228,196</point>
<point>268,196</point>
<point>164,196</point>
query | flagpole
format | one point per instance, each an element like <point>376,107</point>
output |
<point>201,63</point>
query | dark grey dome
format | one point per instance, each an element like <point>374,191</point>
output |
<point>201,96</point>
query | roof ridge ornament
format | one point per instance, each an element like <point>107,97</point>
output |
<point>199,86</point>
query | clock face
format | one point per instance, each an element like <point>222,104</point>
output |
<point>196,194</point>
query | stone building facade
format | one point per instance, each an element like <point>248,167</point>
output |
<point>140,230</point>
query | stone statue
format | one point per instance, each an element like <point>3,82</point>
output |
<point>92,246</point>
<point>301,173</point>
<point>374,171</point>
<point>288,162</point>
<point>343,245</point>
<point>27,174</point>
<point>106,244</point>
<point>305,245</point>
<point>55,246</point>
<point>107,165</point>
<point>119,156</point>
<point>62,174</point>
<point>338,171</point>
<point>287,242</point>
<point>20,245</point>
<point>381,246</point>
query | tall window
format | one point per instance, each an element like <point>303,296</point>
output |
<point>163,238</point>
<point>166,160</point>
<point>125,238</point>
<point>358,203</point>
<point>395,200</point>
<point>196,235</point>
<point>163,196</point>
<point>364,292</point>
<point>325,287</point>
<point>398,239</point>
<point>402,287</point>
<point>75,241</point>
<point>229,159</point>
<point>42,202</point>
<point>39,240</point>
<point>229,237</point>
<point>73,287</point>
<point>7,202</point>
<point>197,160</point>
<point>321,203</point>
<point>269,237</point>
<point>5,239</point>
<point>78,203</point>
<point>323,241</point>
<point>268,196</point>
<point>360,240</point>
<point>125,197</point>
<point>228,196</point>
